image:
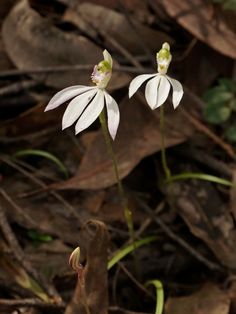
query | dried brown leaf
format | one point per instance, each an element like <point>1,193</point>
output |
<point>90,19</point>
<point>198,18</point>
<point>32,41</point>
<point>207,217</point>
<point>209,300</point>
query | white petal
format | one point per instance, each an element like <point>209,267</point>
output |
<point>163,91</point>
<point>91,113</point>
<point>66,94</point>
<point>76,107</point>
<point>177,91</point>
<point>137,82</point>
<point>151,91</point>
<point>113,115</point>
<point>107,57</point>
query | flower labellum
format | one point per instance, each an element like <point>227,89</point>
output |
<point>158,87</point>
<point>87,102</point>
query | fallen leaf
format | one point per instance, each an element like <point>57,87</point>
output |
<point>201,207</point>
<point>90,19</point>
<point>198,18</point>
<point>209,300</point>
<point>32,41</point>
<point>91,295</point>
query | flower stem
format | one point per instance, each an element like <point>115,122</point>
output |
<point>127,211</point>
<point>163,149</point>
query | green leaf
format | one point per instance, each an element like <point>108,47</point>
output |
<point>128,249</point>
<point>228,84</point>
<point>216,113</point>
<point>159,295</point>
<point>217,97</point>
<point>44,154</point>
<point>200,176</point>
<point>232,104</point>
<point>230,5</point>
<point>231,134</point>
<point>38,237</point>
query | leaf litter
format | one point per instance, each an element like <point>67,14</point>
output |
<point>192,221</point>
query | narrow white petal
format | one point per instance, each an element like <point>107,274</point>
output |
<point>113,115</point>
<point>163,91</point>
<point>107,57</point>
<point>137,82</point>
<point>177,91</point>
<point>151,91</point>
<point>91,113</point>
<point>76,107</point>
<point>66,94</point>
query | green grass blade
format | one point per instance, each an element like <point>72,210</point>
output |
<point>159,295</point>
<point>201,176</point>
<point>44,154</point>
<point>128,249</point>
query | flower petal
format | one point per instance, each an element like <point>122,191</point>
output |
<point>163,91</point>
<point>137,82</point>
<point>177,91</point>
<point>113,115</point>
<point>151,91</point>
<point>76,107</point>
<point>107,57</point>
<point>66,94</point>
<point>91,113</point>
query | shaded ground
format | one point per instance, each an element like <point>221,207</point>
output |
<point>44,214</point>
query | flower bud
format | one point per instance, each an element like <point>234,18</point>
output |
<point>74,260</point>
<point>163,58</point>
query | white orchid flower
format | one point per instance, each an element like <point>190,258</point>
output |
<point>87,102</point>
<point>158,88</point>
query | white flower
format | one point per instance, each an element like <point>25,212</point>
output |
<point>88,101</point>
<point>158,88</point>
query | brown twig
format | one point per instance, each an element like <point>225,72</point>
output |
<point>18,209</point>
<point>115,44</point>
<point>134,280</point>
<point>20,256</point>
<point>44,187</point>
<point>68,68</point>
<point>17,87</point>
<point>12,304</point>
<point>204,129</point>
<point>211,265</point>
<point>28,137</point>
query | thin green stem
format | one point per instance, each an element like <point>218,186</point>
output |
<point>163,149</point>
<point>127,211</point>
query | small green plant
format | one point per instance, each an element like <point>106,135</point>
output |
<point>159,295</point>
<point>38,238</point>
<point>227,4</point>
<point>221,105</point>
<point>44,154</point>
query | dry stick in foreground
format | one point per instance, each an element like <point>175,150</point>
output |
<point>35,303</point>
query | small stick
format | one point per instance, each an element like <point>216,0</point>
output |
<point>68,68</point>
<point>20,256</point>
<point>211,265</point>
<point>30,303</point>
<point>204,129</point>
<point>70,208</point>
<point>17,87</point>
